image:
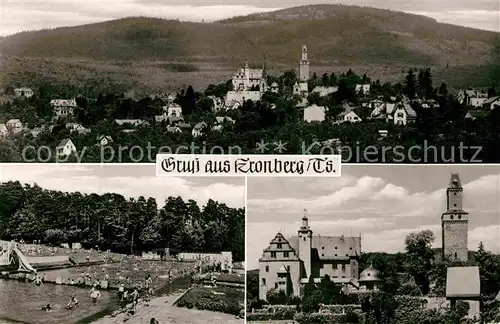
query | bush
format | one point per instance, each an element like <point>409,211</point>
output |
<point>317,318</point>
<point>278,315</point>
<point>205,299</point>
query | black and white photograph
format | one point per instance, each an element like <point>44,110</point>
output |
<point>381,81</point>
<point>114,243</point>
<point>379,245</point>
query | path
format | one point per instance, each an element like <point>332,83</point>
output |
<point>165,312</point>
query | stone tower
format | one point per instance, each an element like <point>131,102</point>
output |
<point>454,223</point>
<point>305,245</point>
<point>304,66</point>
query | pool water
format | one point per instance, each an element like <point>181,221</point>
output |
<point>21,301</point>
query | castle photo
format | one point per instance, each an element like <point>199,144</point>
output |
<point>363,231</point>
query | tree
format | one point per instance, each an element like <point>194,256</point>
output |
<point>420,257</point>
<point>410,85</point>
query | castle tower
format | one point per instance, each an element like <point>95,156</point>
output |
<point>305,245</point>
<point>454,223</point>
<point>304,66</point>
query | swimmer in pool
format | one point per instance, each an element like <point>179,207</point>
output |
<point>46,308</point>
<point>96,296</point>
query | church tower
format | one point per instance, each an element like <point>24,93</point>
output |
<point>304,66</point>
<point>305,245</point>
<point>454,223</point>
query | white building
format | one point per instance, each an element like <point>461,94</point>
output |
<point>65,148</point>
<point>171,112</point>
<point>63,107</point>
<point>14,126</point>
<point>363,88</point>
<point>131,122</point>
<point>248,79</point>
<point>24,92</point>
<point>220,121</point>
<point>235,99</point>
<point>104,140</point>
<point>198,129</point>
<point>324,91</point>
<point>3,131</point>
<point>314,113</point>
<point>403,114</point>
<point>348,116</point>
<point>473,98</point>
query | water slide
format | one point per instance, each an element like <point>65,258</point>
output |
<point>23,262</point>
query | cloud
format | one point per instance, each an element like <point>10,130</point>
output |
<point>383,209</point>
<point>481,19</point>
<point>21,16</point>
<point>128,181</point>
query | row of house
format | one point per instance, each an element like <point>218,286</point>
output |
<point>478,99</point>
<point>400,113</point>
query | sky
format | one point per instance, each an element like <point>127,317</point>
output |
<point>382,203</point>
<point>127,180</point>
<point>21,15</point>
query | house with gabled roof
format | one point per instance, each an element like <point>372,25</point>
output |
<point>65,148</point>
<point>403,114</point>
<point>104,140</point>
<point>220,121</point>
<point>492,103</point>
<point>198,129</point>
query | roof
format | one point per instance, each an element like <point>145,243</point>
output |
<point>279,244</point>
<point>200,125</point>
<point>13,121</point>
<point>455,181</point>
<point>370,274</point>
<point>221,119</point>
<point>463,282</point>
<point>331,247</point>
<point>3,127</point>
<point>346,112</point>
<point>491,100</point>
<point>64,142</point>
<point>63,102</point>
<point>406,106</point>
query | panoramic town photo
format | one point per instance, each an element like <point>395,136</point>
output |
<point>379,245</point>
<point>109,244</point>
<point>376,81</point>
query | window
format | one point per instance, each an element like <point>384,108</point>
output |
<point>335,248</point>
<point>322,247</point>
<point>273,254</point>
<point>322,255</point>
<point>304,238</point>
<point>401,115</point>
<point>455,255</point>
<point>454,205</point>
<point>267,268</point>
<point>335,254</point>
<point>280,245</point>
<point>347,254</point>
<point>321,266</point>
<point>454,194</point>
<point>288,268</point>
<point>343,268</point>
<point>286,254</point>
<point>263,281</point>
<point>275,285</point>
<point>350,248</point>
<point>451,217</point>
<point>459,216</point>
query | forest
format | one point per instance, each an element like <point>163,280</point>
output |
<point>123,225</point>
